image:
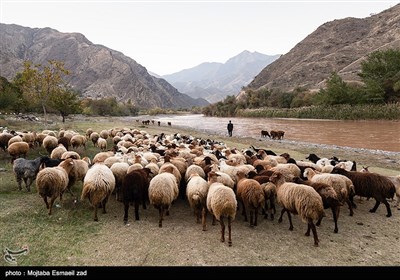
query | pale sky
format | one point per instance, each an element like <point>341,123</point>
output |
<point>169,36</point>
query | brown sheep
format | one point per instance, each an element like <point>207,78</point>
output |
<point>370,185</point>
<point>18,149</point>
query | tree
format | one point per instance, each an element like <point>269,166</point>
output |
<point>40,83</point>
<point>65,102</point>
<point>381,75</point>
<point>336,92</point>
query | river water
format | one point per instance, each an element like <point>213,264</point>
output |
<point>374,135</point>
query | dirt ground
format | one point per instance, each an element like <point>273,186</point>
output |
<point>365,239</point>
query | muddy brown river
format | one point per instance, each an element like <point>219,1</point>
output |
<point>374,135</point>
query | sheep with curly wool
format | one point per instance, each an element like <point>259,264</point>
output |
<point>342,185</point>
<point>135,190</point>
<point>52,182</point>
<point>98,184</point>
<point>27,170</point>
<point>370,185</point>
<point>18,149</point>
<point>299,199</point>
<point>196,193</point>
<point>163,190</point>
<point>221,203</point>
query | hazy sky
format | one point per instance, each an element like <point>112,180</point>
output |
<point>169,36</point>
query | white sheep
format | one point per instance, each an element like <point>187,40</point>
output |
<point>221,203</point>
<point>53,181</point>
<point>196,193</point>
<point>102,143</point>
<point>342,185</point>
<point>98,185</point>
<point>163,190</point>
<point>299,199</point>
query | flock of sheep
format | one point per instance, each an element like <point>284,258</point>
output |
<point>141,169</point>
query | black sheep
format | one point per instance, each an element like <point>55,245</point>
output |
<point>135,190</point>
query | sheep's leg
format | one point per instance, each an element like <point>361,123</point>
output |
<point>26,184</point>
<point>19,181</point>
<point>103,204</point>
<point>280,218</point>
<point>389,212</point>
<point>351,205</point>
<point>144,203</point>
<point>229,231</point>
<point>373,210</point>
<point>161,213</point>
<point>214,221</point>
<point>335,213</point>
<point>221,222</point>
<point>137,205</point>
<point>203,218</point>
<point>95,213</point>
<point>126,210</point>
<point>290,220</point>
<point>314,231</point>
<point>272,207</point>
<point>251,218</point>
<point>244,213</point>
<point>51,204</point>
<point>45,201</point>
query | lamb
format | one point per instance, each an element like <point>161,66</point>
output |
<point>163,190</point>
<point>94,136</point>
<point>102,143</point>
<point>251,195</point>
<point>26,169</point>
<point>53,181</point>
<point>370,185</point>
<point>4,138</point>
<point>299,199</point>
<point>329,198</point>
<point>196,193</point>
<point>221,203</point>
<point>98,185</point>
<point>135,189</point>
<point>18,149</point>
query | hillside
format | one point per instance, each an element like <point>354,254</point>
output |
<point>97,71</point>
<point>214,81</point>
<point>339,45</point>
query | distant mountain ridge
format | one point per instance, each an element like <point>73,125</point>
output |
<point>214,80</point>
<point>97,71</point>
<point>340,45</point>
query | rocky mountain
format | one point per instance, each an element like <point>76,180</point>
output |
<point>97,71</point>
<point>214,81</point>
<point>340,45</point>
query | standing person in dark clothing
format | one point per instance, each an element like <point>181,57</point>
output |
<point>230,128</point>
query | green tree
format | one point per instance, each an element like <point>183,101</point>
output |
<point>336,92</point>
<point>381,75</point>
<point>40,83</point>
<point>65,102</point>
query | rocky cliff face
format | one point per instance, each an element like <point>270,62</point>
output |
<point>96,70</point>
<point>339,45</point>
